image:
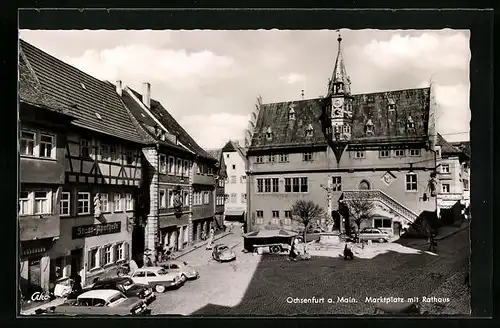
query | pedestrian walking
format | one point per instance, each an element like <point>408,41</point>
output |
<point>293,251</point>
<point>242,230</point>
<point>432,243</point>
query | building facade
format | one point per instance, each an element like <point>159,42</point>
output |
<point>220,183</point>
<point>377,146</point>
<point>236,181</point>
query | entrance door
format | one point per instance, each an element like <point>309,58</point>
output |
<point>34,274</point>
<point>76,261</point>
<point>396,228</point>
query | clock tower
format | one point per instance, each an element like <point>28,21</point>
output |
<point>338,107</point>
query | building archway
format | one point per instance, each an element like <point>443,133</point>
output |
<point>364,185</point>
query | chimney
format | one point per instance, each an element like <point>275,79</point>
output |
<point>146,94</point>
<point>119,88</point>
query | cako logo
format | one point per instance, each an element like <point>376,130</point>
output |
<point>40,297</point>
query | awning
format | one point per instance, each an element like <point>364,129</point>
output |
<point>234,213</point>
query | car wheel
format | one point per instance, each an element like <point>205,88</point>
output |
<point>183,276</point>
<point>276,249</point>
<point>160,288</point>
<point>381,240</point>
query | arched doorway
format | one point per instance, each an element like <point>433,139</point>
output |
<point>364,185</point>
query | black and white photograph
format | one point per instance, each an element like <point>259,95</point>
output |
<point>244,172</point>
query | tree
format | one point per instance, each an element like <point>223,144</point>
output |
<point>305,212</point>
<point>360,208</point>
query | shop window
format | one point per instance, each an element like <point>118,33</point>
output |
<point>382,223</point>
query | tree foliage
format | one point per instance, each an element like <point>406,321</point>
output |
<point>305,212</point>
<point>360,209</point>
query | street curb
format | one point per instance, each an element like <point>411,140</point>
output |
<point>452,233</point>
<point>203,244</point>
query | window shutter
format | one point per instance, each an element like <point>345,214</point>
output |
<point>89,260</point>
<point>113,257</point>
<point>126,249</point>
<point>101,257</point>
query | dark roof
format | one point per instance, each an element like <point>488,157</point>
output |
<point>463,146</point>
<point>82,94</point>
<point>167,120</point>
<point>446,147</point>
<point>215,153</point>
<point>374,106</point>
<point>232,146</point>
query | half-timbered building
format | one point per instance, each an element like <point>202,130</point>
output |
<point>179,190</point>
<point>376,146</point>
<point>103,171</point>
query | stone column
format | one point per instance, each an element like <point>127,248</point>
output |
<point>45,272</point>
<point>151,231</point>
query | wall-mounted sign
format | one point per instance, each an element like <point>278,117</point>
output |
<point>96,230</point>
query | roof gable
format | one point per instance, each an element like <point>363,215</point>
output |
<point>446,147</point>
<point>93,102</point>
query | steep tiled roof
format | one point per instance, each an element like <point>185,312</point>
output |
<point>85,96</point>
<point>233,146</point>
<point>164,117</point>
<point>30,90</point>
<point>446,147</point>
<point>387,124</point>
<point>463,146</point>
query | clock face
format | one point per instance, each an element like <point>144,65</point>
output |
<point>337,102</point>
<point>337,113</point>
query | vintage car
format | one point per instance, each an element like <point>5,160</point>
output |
<point>374,234</point>
<point>101,302</point>
<point>222,253</point>
<point>127,286</point>
<point>158,278</point>
<point>181,268</point>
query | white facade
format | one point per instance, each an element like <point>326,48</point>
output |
<point>236,184</point>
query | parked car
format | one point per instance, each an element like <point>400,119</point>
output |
<point>373,234</point>
<point>312,234</point>
<point>181,268</point>
<point>127,286</point>
<point>158,278</point>
<point>222,253</point>
<point>101,302</point>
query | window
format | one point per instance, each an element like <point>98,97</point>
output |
<point>336,183</point>
<point>288,184</point>
<point>93,258</point>
<point>24,203</point>
<point>83,203</point>
<point>226,198</point>
<point>466,184</point>
<point>27,143</point>
<point>275,184</point>
<point>129,202</point>
<point>129,157</point>
<point>186,168</point>
<point>288,217</point>
<point>107,254</point>
<point>445,168</point>
<point>276,217</point>
<point>399,152</point>
<point>198,168</point>
<point>267,185</point>
<point>283,158</point>
<point>197,198</point>
<point>104,203</point>
<point>163,198</point>
<point>84,148</point>
<point>303,185</point>
<point>118,202</point>
<point>243,198</point>
<point>104,151</point>
<point>243,179</point>
<point>46,144</point>
<point>295,184</point>
<point>307,157</point>
<point>382,223</point>
<point>206,197</point>
<point>162,165</point>
<point>445,187</point>
<point>170,198</point>
<point>233,179</point>
<point>384,153</point>
<point>186,198</point>
<point>411,182</point>
<point>259,159</point>
<point>178,167</point>
<point>260,185</point>
<point>233,197</point>
<point>359,154</point>
<point>414,152</point>
<point>65,203</point>
<point>271,158</point>
<point>227,155</point>
<point>119,252</point>
<point>260,216</point>
<point>234,167</point>
<point>113,152</point>
<point>171,165</point>
<point>210,170</point>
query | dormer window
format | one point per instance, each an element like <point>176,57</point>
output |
<point>347,129</point>
<point>309,131</point>
<point>392,105</point>
<point>291,114</point>
<point>369,127</point>
<point>410,124</point>
<point>269,134</point>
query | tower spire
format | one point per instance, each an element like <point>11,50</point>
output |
<point>339,75</point>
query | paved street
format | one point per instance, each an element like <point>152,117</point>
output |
<point>261,285</point>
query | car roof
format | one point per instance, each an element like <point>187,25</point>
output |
<point>221,245</point>
<point>104,294</point>
<point>154,269</point>
<point>174,262</point>
<point>113,279</point>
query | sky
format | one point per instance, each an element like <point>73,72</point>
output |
<point>209,80</point>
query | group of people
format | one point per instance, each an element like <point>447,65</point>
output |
<point>296,252</point>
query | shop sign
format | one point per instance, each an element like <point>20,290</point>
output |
<point>96,230</point>
<point>33,250</point>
